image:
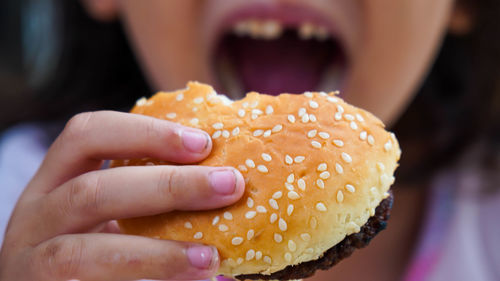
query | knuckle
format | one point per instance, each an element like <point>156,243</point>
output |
<point>168,184</point>
<point>85,194</point>
<point>153,129</point>
<point>60,258</point>
<point>77,126</point>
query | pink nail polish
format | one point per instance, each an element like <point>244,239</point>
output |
<point>194,141</point>
<point>223,181</point>
<point>201,256</point>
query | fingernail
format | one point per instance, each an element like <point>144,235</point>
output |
<point>202,257</point>
<point>194,141</point>
<point>223,181</point>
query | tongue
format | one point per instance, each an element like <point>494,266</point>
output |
<point>287,64</point>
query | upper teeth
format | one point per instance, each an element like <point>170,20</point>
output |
<point>272,29</point>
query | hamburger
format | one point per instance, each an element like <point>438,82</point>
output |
<point>317,173</point>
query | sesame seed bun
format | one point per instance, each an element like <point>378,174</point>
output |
<point>315,168</point>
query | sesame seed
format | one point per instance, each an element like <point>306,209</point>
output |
<point>309,251</point>
<point>277,128</point>
<point>340,196</point>
<point>278,238</point>
<point>218,126</point>
<point>380,166</point>
<point>269,110</point>
<point>299,159</point>
<point>371,140</point>
<point>266,157</point>
<point>346,157</point>
<point>262,169</point>
<point>320,183</point>
<point>316,144</point>
<point>198,235</point>
<point>340,109</point>
<point>305,236</point>
<point>332,99</point>
<point>261,209</point>
<point>241,113</point>
<point>313,104</point>
<point>254,104</point>
<point>293,195</point>
<point>228,216</point>
<point>305,118</point>
<point>242,168</point>
<point>250,214</point>
<point>188,225</point>
<point>273,218</point>
<point>338,143</point>
<point>324,175</point>
<point>388,145</point>
<point>225,134</point>
<point>258,255</point>
<point>250,254</point>
<point>291,118</point>
<point>142,101</point>
<point>288,159</point>
<point>237,241</point>
<point>282,225</point>
<point>292,246</point>
<point>324,135</point>
<point>353,125</point>
<point>179,97</point>
<point>301,184</point>
<point>312,118</point>
<point>277,195</point>
<point>250,202</point>
<point>308,94</point>
<point>215,220</point>
<point>348,117</point>
<point>350,188</point>
<point>171,115</point>
<point>311,133</point>
<point>195,109</point>
<point>289,186</point>
<point>321,207</point>
<point>289,210</point>
<point>302,111</point>
<point>322,167</point>
<point>239,261</point>
<point>250,234</point>
<point>267,133</point>
<point>257,112</point>
<point>338,116</point>
<point>288,257</point>
<point>223,227</point>
<point>290,178</point>
<point>198,100</point>
<point>339,168</point>
<point>250,163</point>
<point>257,133</point>
<point>313,222</point>
<point>362,135</point>
<point>245,104</point>
<point>273,204</point>
<point>194,121</point>
<point>236,131</point>
<point>359,117</point>
<point>267,259</point>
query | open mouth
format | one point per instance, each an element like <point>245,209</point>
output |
<point>278,52</point>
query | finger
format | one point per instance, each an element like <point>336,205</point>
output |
<point>91,137</point>
<point>126,192</point>
<point>100,256</point>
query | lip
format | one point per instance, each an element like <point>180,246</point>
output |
<point>289,15</point>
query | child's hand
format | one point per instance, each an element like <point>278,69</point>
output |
<point>55,232</point>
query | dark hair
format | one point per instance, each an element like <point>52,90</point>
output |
<point>457,103</point>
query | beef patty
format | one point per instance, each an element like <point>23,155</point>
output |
<point>336,253</point>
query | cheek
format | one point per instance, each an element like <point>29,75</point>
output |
<point>397,44</point>
<point>167,42</point>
